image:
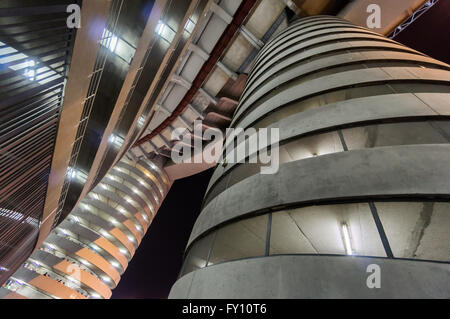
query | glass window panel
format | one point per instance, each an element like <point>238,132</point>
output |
<point>289,110</point>
<point>197,255</point>
<point>287,237</point>
<point>417,230</point>
<point>240,172</point>
<point>443,127</point>
<point>190,25</point>
<point>315,145</point>
<point>323,228</point>
<point>316,101</point>
<point>392,134</point>
<point>243,239</point>
<point>124,50</point>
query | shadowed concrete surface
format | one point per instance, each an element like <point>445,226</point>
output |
<point>314,277</point>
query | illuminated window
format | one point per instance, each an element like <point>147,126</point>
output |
<point>190,25</point>
<point>116,140</point>
<point>30,71</point>
<point>165,31</point>
<point>141,121</point>
<point>118,46</point>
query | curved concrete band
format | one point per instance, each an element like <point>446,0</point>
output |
<point>314,277</point>
<point>400,171</point>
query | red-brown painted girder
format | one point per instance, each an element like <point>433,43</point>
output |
<point>220,47</point>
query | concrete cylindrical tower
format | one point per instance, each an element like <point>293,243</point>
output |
<point>359,206</point>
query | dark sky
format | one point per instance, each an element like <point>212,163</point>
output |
<point>430,34</point>
<point>156,264</point>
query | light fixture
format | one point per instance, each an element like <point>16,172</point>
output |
<point>95,295</point>
<point>116,140</point>
<point>106,279</point>
<point>113,43</point>
<point>141,121</point>
<point>189,26</point>
<point>165,32</point>
<point>104,233</point>
<point>123,251</point>
<point>160,27</point>
<point>72,172</point>
<point>347,243</point>
<point>30,71</point>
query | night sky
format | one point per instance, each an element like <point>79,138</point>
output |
<point>157,262</point>
<point>155,266</point>
<point>430,34</point>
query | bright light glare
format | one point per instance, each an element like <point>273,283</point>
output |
<point>165,32</point>
<point>141,121</point>
<point>190,25</point>
<point>113,44</point>
<point>72,172</point>
<point>160,28</point>
<point>30,73</point>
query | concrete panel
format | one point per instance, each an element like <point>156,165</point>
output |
<point>264,16</point>
<point>216,81</point>
<point>236,54</point>
<point>230,6</point>
<point>314,277</point>
<point>211,34</point>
